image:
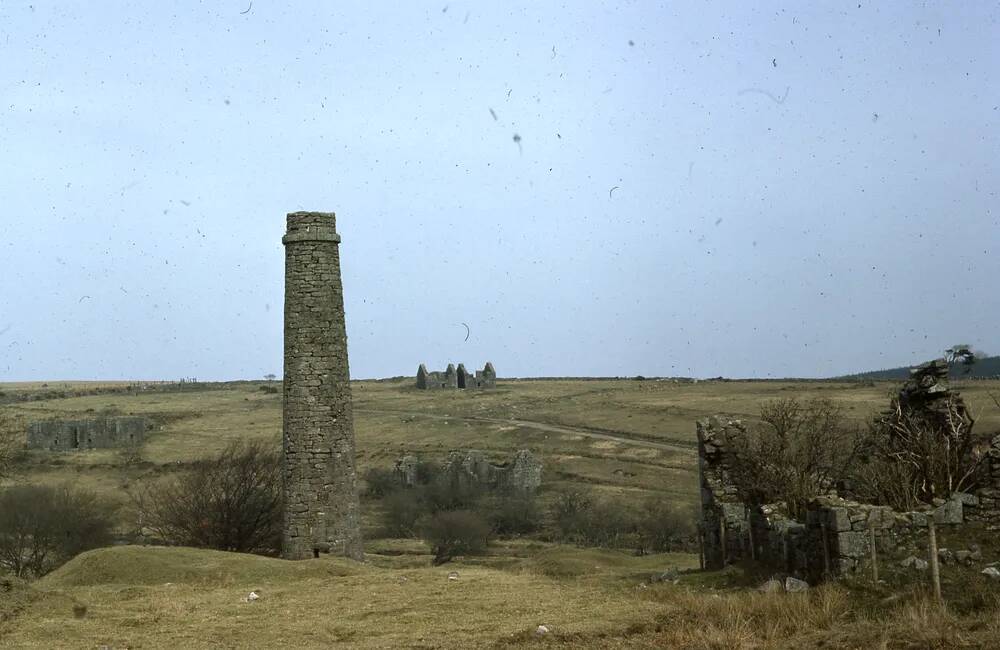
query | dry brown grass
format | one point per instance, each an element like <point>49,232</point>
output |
<point>589,598</point>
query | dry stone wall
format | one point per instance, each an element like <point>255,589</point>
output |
<point>322,511</point>
<point>837,536</point>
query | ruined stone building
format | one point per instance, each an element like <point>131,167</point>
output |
<point>460,378</point>
<point>838,534</point>
<point>522,473</point>
<point>322,511</point>
<point>94,433</point>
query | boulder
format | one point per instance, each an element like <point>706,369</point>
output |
<point>991,572</point>
<point>950,512</point>
<point>945,556</point>
<point>794,585</point>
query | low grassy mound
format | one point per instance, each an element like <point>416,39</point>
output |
<point>157,565</point>
<point>556,561</point>
<point>17,597</point>
<point>154,597</point>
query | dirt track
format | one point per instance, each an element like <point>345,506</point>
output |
<point>620,437</point>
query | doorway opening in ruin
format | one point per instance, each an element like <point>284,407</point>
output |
<point>461,380</point>
<point>316,553</point>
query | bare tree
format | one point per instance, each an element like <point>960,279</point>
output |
<point>923,447</point>
<point>798,453</point>
<point>232,502</point>
<point>11,442</point>
<point>41,527</point>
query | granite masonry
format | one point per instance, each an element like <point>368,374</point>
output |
<point>322,512</point>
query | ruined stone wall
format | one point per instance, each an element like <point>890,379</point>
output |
<point>523,473</point>
<point>988,510</point>
<point>837,536</point>
<point>318,440</point>
<point>487,377</point>
<point>724,519</point>
<point>95,433</point>
<point>465,378</point>
<point>435,380</point>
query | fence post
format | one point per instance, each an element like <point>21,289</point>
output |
<point>722,540</point>
<point>826,551</point>
<point>874,556</point>
<point>935,571</point>
<point>701,546</point>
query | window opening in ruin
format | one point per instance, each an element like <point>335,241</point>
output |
<point>76,438</point>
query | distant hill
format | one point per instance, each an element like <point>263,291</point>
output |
<point>986,367</point>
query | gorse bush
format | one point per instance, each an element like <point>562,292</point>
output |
<point>402,510</point>
<point>407,509</point>
<point>380,482</point>
<point>513,514</point>
<point>231,502</point>
<point>11,442</point>
<point>455,532</point>
<point>585,521</point>
<point>42,527</point>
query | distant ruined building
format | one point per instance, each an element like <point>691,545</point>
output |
<point>520,474</point>
<point>456,378</point>
<point>95,433</point>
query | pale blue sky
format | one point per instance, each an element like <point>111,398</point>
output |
<point>802,190</point>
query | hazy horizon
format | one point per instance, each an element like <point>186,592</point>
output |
<point>694,190</point>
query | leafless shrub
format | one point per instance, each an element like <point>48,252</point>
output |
<point>232,502</point>
<point>11,442</point>
<point>456,532</point>
<point>912,456</point>
<point>42,527</point>
<point>797,454</point>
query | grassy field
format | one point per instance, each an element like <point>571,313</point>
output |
<point>596,442</point>
<point>630,439</point>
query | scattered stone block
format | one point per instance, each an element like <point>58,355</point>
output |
<point>966,498</point>
<point>950,512</point>
<point>793,585</point>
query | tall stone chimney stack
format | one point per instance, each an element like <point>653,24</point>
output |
<point>320,479</point>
